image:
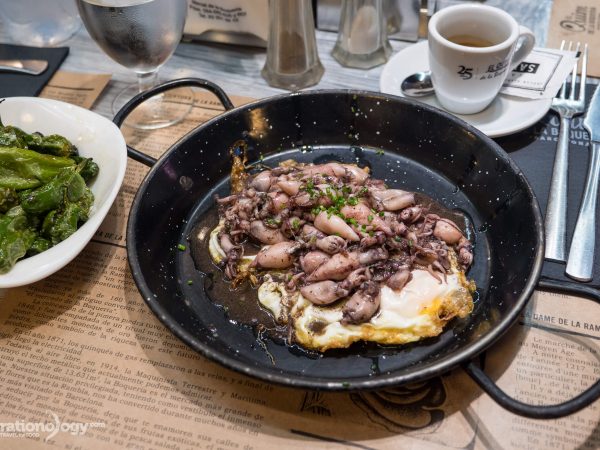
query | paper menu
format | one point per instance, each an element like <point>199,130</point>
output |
<point>83,350</point>
<point>81,89</point>
<point>88,350</point>
<point>576,21</point>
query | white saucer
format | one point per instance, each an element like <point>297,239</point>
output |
<point>506,114</point>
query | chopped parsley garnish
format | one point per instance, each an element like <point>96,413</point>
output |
<point>181,247</point>
<point>352,221</point>
<point>370,217</point>
<point>339,196</point>
<point>310,188</point>
<point>380,152</point>
<point>273,221</point>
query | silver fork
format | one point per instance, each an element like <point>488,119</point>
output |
<point>567,108</point>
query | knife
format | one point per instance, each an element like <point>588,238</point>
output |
<point>28,66</point>
<point>581,255</point>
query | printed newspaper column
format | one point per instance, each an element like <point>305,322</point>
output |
<point>81,89</point>
<point>551,355</point>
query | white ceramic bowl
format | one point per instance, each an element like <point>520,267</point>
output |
<point>94,136</point>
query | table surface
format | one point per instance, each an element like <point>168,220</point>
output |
<point>237,69</point>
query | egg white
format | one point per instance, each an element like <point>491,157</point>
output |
<point>217,253</point>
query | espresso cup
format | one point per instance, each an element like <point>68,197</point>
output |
<point>472,49</point>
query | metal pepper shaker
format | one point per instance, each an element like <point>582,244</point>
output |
<point>292,58</point>
<point>362,37</point>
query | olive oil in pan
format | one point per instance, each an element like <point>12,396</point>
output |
<point>241,303</point>
<point>459,218</point>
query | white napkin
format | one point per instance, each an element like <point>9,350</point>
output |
<point>228,15</point>
<point>540,75</point>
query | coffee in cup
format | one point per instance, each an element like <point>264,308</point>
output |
<point>472,49</point>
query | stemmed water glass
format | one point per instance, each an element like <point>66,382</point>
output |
<point>141,35</point>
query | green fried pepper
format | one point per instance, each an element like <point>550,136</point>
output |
<point>39,245</point>
<point>12,137</point>
<point>66,186</point>
<point>48,222</point>
<point>16,237</point>
<point>89,170</point>
<point>25,169</point>
<point>45,198</point>
<point>53,144</point>
<point>43,192</point>
<point>8,199</point>
<point>59,225</point>
<point>75,186</point>
<point>85,202</point>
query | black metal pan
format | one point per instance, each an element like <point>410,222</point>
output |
<point>424,149</point>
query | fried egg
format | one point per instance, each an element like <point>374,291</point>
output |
<point>420,310</point>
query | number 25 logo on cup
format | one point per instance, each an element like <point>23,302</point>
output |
<point>466,73</point>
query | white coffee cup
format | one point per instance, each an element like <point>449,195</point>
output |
<point>471,52</point>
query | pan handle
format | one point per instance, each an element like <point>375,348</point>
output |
<point>571,406</point>
<point>143,96</point>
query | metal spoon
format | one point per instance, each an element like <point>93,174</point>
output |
<point>28,66</point>
<point>417,85</point>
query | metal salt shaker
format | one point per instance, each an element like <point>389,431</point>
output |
<point>292,58</point>
<point>362,38</point>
